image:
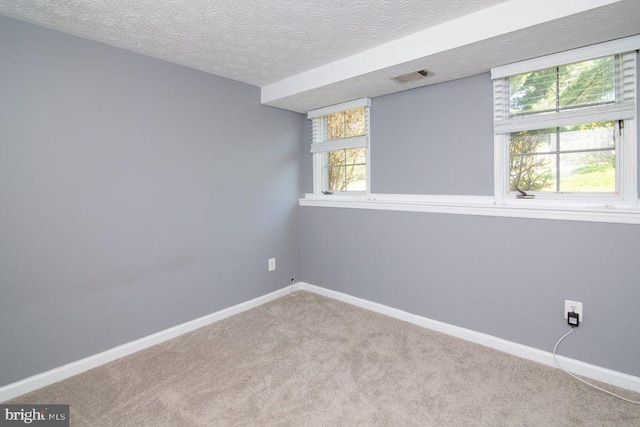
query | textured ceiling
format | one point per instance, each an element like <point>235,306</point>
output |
<point>257,42</point>
<point>615,21</point>
<point>268,42</point>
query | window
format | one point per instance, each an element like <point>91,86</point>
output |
<point>565,126</point>
<point>340,145</point>
<point>579,158</point>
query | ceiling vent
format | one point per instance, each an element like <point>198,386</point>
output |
<point>413,76</point>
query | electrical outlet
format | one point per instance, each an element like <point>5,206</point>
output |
<point>272,264</point>
<point>574,306</point>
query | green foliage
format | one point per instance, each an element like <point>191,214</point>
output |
<point>533,156</point>
<point>596,177</point>
<point>588,82</point>
<point>533,92</point>
<point>528,171</point>
<point>568,86</point>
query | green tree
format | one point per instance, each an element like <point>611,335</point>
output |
<point>553,89</point>
<point>528,172</point>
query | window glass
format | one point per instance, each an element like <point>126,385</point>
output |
<point>346,170</point>
<point>579,158</point>
<point>345,124</point>
<point>569,86</point>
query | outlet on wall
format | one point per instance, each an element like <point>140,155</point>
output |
<point>272,264</point>
<point>573,306</point>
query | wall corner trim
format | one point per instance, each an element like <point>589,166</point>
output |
<point>598,373</point>
<point>60,373</point>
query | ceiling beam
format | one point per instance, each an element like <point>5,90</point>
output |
<point>503,18</point>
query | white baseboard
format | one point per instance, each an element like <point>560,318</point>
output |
<point>49,377</point>
<point>619,379</point>
<point>35,382</point>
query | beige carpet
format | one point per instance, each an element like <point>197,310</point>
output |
<point>312,361</point>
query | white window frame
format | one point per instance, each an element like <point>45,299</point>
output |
<point>620,211</point>
<point>319,147</point>
<point>626,148</point>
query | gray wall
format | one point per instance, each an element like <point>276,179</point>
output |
<point>423,138</point>
<point>135,195</point>
<point>506,277</point>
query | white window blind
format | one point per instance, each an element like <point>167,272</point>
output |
<point>616,104</point>
<point>322,139</point>
<point>339,144</point>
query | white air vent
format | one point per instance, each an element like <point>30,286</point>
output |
<point>413,76</point>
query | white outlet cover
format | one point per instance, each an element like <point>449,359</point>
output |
<point>573,306</point>
<point>272,264</point>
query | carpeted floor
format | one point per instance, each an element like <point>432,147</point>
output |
<point>312,361</point>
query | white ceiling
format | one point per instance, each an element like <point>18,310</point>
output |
<point>310,53</point>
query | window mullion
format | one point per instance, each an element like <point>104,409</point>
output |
<point>557,89</point>
<point>557,130</point>
<point>558,159</point>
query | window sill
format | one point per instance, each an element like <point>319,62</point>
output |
<point>476,205</point>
